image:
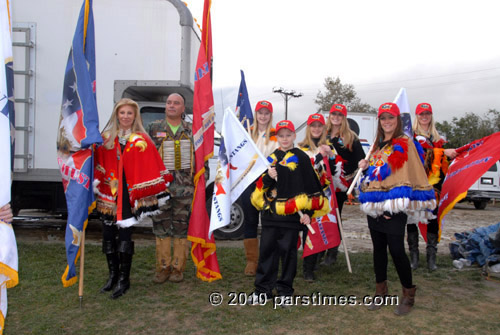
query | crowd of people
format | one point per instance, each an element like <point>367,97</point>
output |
<point>143,173</point>
<point>398,192</point>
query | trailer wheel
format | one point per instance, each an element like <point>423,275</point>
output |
<point>234,230</point>
<point>480,204</point>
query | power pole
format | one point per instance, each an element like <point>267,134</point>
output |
<point>287,95</point>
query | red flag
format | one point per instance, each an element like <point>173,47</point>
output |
<point>326,228</point>
<point>203,247</point>
<point>473,160</point>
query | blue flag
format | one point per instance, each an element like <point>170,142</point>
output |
<point>243,108</point>
<point>78,131</point>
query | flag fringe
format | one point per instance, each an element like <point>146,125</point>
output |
<point>447,209</point>
<point>203,272</point>
<point>9,272</point>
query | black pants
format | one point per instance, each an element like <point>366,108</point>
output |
<point>277,243</point>
<point>396,246</point>
<point>110,232</point>
<point>432,227</point>
<point>251,214</point>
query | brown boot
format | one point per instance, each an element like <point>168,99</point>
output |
<point>252,255</point>
<point>179,261</point>
<point>406,305</point>
<point>380,293</point>
<point>163,260</point>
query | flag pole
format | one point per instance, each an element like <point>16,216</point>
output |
<point>358,174</point>
<point>344,244</point>
<point>248,126</point>
<point>82,267</point>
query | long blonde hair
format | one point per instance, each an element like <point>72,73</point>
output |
<point>309,142</point>
<point>254,131</point>
<point>110,131</point>
<point>433,133</point>
<point>347,135</point>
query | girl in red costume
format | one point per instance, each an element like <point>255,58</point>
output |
<point>436,166</point>
<point>131,182</point>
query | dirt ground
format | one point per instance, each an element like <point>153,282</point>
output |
<point>464,217</point>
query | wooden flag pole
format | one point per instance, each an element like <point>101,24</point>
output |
<point>358,174</point>
<point>82,266</point>
<point>248,126</point>
<point>311,229</point>
<point>339,220</point>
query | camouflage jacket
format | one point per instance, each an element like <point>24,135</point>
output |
<point>182,166</point>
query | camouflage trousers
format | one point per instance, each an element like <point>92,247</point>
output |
<point>174,219</point>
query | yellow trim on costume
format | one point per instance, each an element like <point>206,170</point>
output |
<point>437,163</point>
<point>73,280</point>
<point>257,198</point>
<point>303,202</point>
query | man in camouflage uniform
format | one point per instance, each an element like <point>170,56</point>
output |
<point>174,140</point>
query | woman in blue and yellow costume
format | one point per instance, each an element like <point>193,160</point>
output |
<point>131,183</point>
<point>436,165</point>
<point>394,190</point>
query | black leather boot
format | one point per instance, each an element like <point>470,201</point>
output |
<point>432,241</point>
<point>109,249</point>
<point>308,267</point>
<point>331,256</point>
<point>126,249</point>
<point>412,240</point>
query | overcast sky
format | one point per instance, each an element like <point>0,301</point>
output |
<point>443,52</point>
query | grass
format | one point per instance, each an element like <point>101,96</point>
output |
<point>447,301</point>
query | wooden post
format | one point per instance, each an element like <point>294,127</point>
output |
<point>358,174</point>
<point>82,266</point>
<point>344,241</point>
<point>311,229</point>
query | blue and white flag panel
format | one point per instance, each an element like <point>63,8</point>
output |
<point>404,108</point>
<point>6,103</point>
<point>240,163</point>
<point>78,131</point>
<point>243,107</point>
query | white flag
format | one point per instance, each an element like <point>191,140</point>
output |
<point>8,247</point>
<point>240,163</point>
<point>404,108</point>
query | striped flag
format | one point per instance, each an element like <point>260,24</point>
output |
<point>78,131</point>
<point>203,246</point>
<point>8,247</point>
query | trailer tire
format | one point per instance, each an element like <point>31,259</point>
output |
<point>480,204</point>
<point>233,231</point>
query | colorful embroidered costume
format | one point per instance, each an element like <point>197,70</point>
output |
<point>146,179</point>
<point>396,183</point>
<point>435,162</point>
<point>297,189</point>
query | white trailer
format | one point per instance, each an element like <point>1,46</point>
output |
<point>145,50</point>
<point>365,126</point>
